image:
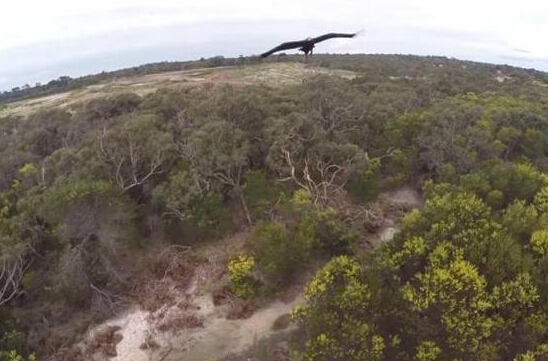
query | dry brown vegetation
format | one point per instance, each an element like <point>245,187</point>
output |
<point>102,346</point>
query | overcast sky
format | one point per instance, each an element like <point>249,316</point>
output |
<point>42,40</point>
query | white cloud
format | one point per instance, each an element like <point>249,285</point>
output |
<point>40,34</point>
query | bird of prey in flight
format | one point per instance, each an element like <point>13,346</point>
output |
<point>306,45</point>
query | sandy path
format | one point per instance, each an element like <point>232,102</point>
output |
<point>220,337</point>
<point>217,338</point>
<point>405,196</point>
<point>134,327</point>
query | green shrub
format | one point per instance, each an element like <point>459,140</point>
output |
<point>277,252</point>
<point>517,181</point>
<point>282,247</point>
<point>193,213</point>
<point>208,218</point>
<point>365,184</point>
<point>520,220</point>
<point>260,192</point>
<point>14,356</point>
<point>332,233</point>
<point>240,274</point>
<point>11,341</point>
<point>495,199</point>
<point>539,242</point>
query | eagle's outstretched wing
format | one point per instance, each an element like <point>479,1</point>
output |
<point>284,46</point>
<point>332,35</point>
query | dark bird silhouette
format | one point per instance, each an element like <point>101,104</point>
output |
<point>306,45</point>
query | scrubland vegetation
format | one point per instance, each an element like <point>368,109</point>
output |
<point>89,192</point>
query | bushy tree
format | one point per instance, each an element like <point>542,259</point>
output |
<point>454,285</point>
<point>277,253</point>
<point>218,153</point>
<point>337,315</point>
<point>92,223</point>
<point>197,207</point>
<point>134,151</point>
<point>452,291</point>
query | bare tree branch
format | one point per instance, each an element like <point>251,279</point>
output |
<point>131,167</point>
<point>327,180</point>
<point>11,272</point>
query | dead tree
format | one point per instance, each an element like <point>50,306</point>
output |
<point>321,179</point>
<point>12,269</point>
<point>106,301</point>
<point>131,161</point>
<point>340,120</point>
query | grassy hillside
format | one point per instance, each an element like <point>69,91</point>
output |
<point>276,75</point>
<point>230,187</point>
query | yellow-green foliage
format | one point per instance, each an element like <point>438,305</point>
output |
<point>541,200</point>
<point>520,219</point>
<point>28,169</point>
<point>539,242</point>
<point>72,191</point>
<point>516,295</point>
<point>459,218</point>
<point>412,248</point>
<point>282,247</point>
<point>453,287</point>
<point>240,274</point>
<point>455,284</point>
<point>427,351</point>
<point>338,290</point>
<point>301,198</point>
<point>14,356</point>
<point>539,354</point>
<point>495,199</point>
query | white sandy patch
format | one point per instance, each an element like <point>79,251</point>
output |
<point>220,337</point>
<point>405,195</point>
<point>217,338</point>
<point>133,329</point>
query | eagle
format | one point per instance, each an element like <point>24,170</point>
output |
<point>306,45</point>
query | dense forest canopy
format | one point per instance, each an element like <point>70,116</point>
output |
<point>83,187</point>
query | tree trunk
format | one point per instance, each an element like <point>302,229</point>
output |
<point>244,205</point>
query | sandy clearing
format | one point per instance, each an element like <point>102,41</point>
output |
<point>404,196</point>
<point>217,338</point>
<point>220,337</point>
<point>134,329</point>
<point>272,74</point>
